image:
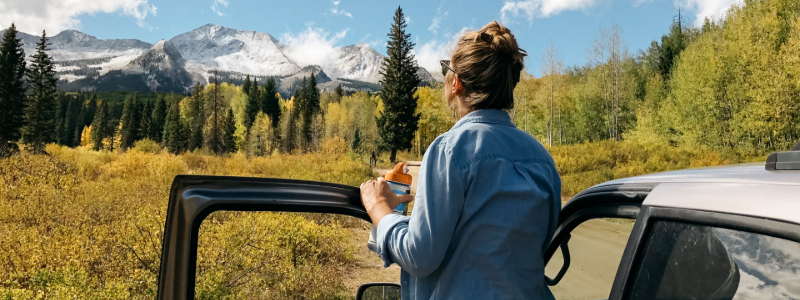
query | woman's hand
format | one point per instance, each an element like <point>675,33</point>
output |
<point>379,199</point>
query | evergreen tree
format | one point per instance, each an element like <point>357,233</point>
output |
<point>356,143</point>
<point>128,124</point>
<point>398,123</point>
<point>269,104</point>
<point>39,128</point>
<point>70,122</point>
<point>138,111</point>
<point>174,137</point>
<point>662,56</point>
<point>91,109</point>
<point>12,91</point>
<point>228,139</point>
<point>339,93</point>
<point>247,85</point>
<point>216,115</point>
<point>147,119</point>
<point>61,114</point>
<point>76,135</point>
<point>197,105</point>
<point>252,106</point>
<point>99,126</point>
<point>157,120</point>
<point>309,109</point>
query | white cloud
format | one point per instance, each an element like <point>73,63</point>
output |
<point>33,16</point>
<point>540,8</point>
<point>217,4</point>
<point>712,9</point>
<point>438,18</point>
<point>429,53</point>
<point>408,20</point>
<point>339,12</point>
<point>313,46</point>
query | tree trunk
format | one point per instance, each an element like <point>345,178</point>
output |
<point>393,156</point>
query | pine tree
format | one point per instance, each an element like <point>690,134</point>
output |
<point>174,137</point>
<point>91,109</point>
<point>61,114</point>
<point>138,111</point>
<point>309,109</point>
<point>128,124</point>
<point>247,85</point>
<point>39,128</point>
<point>79,126</point>
<point>269,104</point>
<point>356,143</point>
<point>252,106</point>
<point>398,123</point>
<point>228,140</point>
<point>12,91</point>
<point>339,93</point>
<point>157,120</point>
<point>147,119</point>
<point>197,106</point>
<point>99,126</point>
<point>215,115</point>
<point>71,122</point>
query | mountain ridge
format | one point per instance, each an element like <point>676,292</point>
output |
<point>85,62</point>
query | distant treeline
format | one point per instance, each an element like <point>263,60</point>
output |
<point>732,84</point>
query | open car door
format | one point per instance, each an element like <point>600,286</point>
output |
<point>193,197</point>
<point>594,230</point>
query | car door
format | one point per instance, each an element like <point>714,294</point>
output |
<point>681,253</point>
<point>194,197</point>
<point>585,253</point>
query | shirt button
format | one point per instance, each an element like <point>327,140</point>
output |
<point>405,282</point>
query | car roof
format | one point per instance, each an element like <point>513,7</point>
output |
<point>744,189</point>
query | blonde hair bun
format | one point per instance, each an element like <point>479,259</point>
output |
<point>489,62</point>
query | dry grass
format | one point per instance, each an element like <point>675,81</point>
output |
<point>88,225</point>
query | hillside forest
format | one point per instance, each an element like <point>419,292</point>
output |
<point>724,92</point>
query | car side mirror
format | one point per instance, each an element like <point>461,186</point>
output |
<point>378,291</point>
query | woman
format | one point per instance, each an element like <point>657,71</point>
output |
<point>488,196</point>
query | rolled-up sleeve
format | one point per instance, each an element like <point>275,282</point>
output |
<point>418,243</point>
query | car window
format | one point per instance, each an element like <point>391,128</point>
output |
<point>595,248</point>
<point>689,261</point>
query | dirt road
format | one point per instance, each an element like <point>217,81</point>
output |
<point>596,248</point>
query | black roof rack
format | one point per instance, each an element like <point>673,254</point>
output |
<point>785,160</point>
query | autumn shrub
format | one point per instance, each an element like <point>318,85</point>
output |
<point>584,165</point>
<point>88,225</point>
<point>147,145</point>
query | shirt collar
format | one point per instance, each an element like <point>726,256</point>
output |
<point>495,116</point>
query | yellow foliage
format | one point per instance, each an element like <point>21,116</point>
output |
<point>88,225</point>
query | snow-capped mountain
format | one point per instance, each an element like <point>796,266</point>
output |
<point>84,62</point>
<point>226,49</point>
<point>162,65</point>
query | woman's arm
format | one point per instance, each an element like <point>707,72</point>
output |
<point>418,244</point>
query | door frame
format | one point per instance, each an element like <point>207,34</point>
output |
<point>623,200</point>
<point>193,197</point>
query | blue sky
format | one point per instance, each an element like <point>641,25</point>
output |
<point>571,25</point>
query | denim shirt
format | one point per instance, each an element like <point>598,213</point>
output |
<point>487,204</point>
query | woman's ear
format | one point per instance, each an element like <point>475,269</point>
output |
<point>457,87</point>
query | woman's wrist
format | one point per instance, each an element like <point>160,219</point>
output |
<point>378,210</point>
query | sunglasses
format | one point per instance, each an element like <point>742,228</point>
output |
<point>446,67</point>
